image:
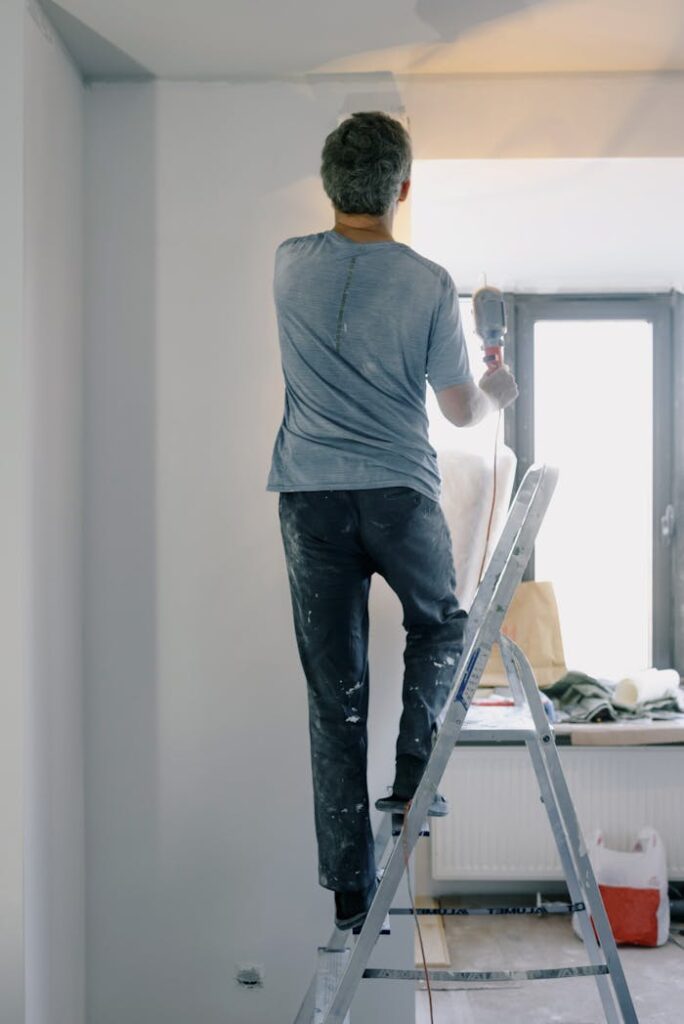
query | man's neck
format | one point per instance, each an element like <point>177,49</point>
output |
<point>379,231</point>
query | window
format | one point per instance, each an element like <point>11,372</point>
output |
<point>595,377</point>
<point>596,400</point>
<point>593,418</point>
<point>536,226</point>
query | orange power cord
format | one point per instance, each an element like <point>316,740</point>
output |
<point>491,511</point>
<point>408,805</point>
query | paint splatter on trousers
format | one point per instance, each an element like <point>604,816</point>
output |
<point>334,541</point>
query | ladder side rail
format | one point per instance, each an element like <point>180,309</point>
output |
<point>536,476</point>
<point>563,844</point>
<point>514,681</point>
<point>467,677</point>
<point>514,521</point>
<point>572,827</point>
<point>572,878</point>
<point>505,544</point>
<point>477,654</point>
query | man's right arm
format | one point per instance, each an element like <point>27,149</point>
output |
<point>467,404</point>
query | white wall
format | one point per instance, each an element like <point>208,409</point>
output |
<point>553,224</point>
<point>194,707</point>
<point>14,509</point>
<point>55,887</point>
<point>500,117</point>
<point>200,846</point>
<point>124,933</point>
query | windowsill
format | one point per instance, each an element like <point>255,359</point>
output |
<point>503,725</point>
<point>620,734</point>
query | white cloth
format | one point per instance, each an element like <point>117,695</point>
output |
<point>467,483</point>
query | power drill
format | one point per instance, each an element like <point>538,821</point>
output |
<point>490,324</point>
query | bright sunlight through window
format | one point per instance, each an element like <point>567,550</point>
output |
<point>593,415</point>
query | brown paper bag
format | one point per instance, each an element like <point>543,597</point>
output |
<point>532,622</point>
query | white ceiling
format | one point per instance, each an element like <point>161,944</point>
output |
<point>271,38</point>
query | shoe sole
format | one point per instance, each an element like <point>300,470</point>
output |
<point>436,810</point>
<point>351,922</point>
<point>358,919</point>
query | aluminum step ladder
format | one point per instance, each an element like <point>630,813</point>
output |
<point>341,966</point>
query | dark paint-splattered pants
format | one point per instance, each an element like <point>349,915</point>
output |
<point>334,541</point>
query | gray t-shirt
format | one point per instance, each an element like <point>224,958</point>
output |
<point>361,326</point>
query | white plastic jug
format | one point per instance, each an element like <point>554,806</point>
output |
<point>633,886</point>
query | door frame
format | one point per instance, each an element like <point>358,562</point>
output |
<point>658,309</point>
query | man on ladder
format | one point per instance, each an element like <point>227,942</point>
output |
<point>363,321</point>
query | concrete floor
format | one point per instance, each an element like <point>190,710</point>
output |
<point>655,976</point>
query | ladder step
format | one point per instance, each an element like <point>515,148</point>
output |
<point>541,974</point>
<point>490,724</point>
<point>331,967</point>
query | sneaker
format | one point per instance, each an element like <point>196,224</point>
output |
<point>397,805</point>
<point>351,908</point>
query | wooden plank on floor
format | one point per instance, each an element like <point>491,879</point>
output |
<point>434,938</point>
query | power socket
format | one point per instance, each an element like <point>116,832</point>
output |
<point>250,976</point>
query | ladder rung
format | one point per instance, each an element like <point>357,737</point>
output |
<point>555,908</point>
<point>540,974</point>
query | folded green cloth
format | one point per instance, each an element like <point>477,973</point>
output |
<point>581,698</point>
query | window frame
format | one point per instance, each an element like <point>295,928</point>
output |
<point>665,312</point>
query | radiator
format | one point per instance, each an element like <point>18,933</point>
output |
<point>497,828</point>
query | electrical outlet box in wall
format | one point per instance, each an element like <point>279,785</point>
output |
<point>250,976</point>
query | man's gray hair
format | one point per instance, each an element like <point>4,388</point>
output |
<point>364,161</point>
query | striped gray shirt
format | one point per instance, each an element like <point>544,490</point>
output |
<point>362,326</point>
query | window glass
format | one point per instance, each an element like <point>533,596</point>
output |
<point>593,415</point>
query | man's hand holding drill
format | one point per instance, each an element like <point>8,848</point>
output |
<point>499,386</point>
